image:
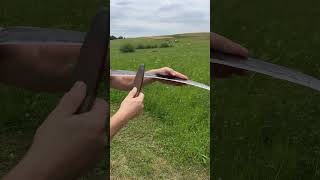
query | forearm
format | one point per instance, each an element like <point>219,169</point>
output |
<point>37,165</point>
<point>44,67</point>
<point>125,83</point>
<point>118,120</point>
<point>30,168</point>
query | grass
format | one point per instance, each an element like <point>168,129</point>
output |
<point>136,155</point>
<point>267,128</point>
<point>174,130</point>
<point>22,111</point>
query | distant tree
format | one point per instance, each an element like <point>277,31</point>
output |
<point>112,37</point>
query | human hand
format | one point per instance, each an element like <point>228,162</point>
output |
<point>166,71</point>
<point>66,144</point>
<point>222,44</point>
<point>132,106</point>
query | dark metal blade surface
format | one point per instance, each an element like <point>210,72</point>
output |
<point>266,68</point>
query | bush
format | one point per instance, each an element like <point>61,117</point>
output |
<point>154,46</point>
<point>147,46</point>
<point>164,45</point>
<point>127,48</point>
<point>140,46</point>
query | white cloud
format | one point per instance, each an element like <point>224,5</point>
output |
<point>133,18</point>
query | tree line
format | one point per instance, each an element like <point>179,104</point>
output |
<point>112,37</point>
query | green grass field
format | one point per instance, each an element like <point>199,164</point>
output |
<point>22,111</point>
<point>266,128</point>
<point>171,139</point>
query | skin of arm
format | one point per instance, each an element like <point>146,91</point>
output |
<point>126,83</point>
<point>130,107</point>
<point>39,67</point>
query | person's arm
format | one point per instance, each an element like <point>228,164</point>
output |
<point>222,44</point>
<point>66,145</point>
<point>126,83</point>
<point>130,107</point>
<point>36,66</point>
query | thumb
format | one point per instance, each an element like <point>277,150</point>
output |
<point>71,101</point>
<point>132,93</point>
<point>141,96</point>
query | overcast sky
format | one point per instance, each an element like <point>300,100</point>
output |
<point>136,18</point>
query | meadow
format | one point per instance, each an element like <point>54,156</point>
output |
<point>21,110</point>
<point>171,138</point>
<point>267,128</point>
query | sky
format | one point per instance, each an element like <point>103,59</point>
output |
<point>137,18</point>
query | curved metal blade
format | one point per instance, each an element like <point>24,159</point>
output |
<point>266,68</point>
<point>155,76</point>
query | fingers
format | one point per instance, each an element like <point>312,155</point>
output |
<point>140,97</point>
<point>132,93</point>
<point>99,111</point>
<point>223,44</point>
<point>96,118</point>
<point>71,101</point>
<point>181,76</point>
<point>100,107</point>
<point>174,73</point>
